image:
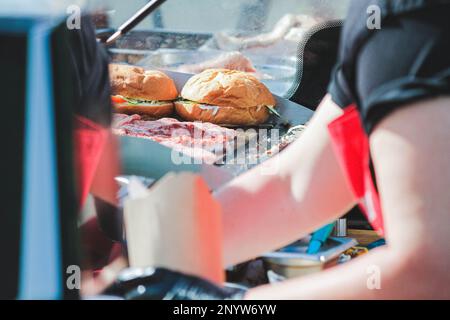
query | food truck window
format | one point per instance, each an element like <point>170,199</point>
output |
<point>260,36</point>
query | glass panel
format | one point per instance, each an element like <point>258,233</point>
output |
<point>260,36</point>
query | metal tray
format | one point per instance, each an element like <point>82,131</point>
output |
<point>150,159</point>
<point>295,113</point>
<point>295,254</point>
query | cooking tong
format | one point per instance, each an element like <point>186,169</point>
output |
<point>132,22</point>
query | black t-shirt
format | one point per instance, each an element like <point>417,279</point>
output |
<point>90,74</point>
<point>406,60</point>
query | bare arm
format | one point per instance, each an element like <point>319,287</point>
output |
<point>411,155</point>
<point>287,197</point>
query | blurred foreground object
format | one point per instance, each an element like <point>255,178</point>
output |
<point>94,284</point>
<point>164,284</point>
<point>39,203</point>
<point>176,225</point>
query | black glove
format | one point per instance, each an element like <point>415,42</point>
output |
<point>163,284</point>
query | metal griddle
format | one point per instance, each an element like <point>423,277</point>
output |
<point>147,158</point>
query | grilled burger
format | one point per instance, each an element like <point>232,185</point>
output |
<point>139,91</point>
<point>224,96</point>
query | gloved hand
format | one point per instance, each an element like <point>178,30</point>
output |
<point>163,284</point>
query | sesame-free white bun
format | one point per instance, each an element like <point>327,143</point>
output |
<point>240,98</point>
<point>138,83</point>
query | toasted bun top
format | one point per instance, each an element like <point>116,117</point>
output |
<point>227,88</point>
<point>138,83</point>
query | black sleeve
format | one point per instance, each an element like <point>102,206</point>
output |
<point>90,74</point>
<point>407,60</point>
